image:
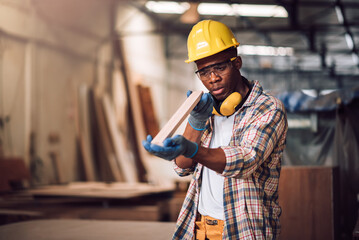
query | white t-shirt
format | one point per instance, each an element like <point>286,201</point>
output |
<point>211,195</point>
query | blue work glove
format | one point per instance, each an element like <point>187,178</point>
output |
<point>172,147</point>
<point>203,110</point>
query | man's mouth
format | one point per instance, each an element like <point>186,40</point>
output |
<point>217,91</point>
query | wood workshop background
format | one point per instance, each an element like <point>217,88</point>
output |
<point>44,64</point>
<point>83,82</point>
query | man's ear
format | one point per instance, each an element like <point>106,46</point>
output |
<point>238,63</point>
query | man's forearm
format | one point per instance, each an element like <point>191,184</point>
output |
<point>214,159</point>
<point>194,136</point>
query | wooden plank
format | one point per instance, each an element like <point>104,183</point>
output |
<point>139,213</point>
<point>99,150</point>
<point>126,121</point>
<point>120,102</point>
<point>178,117</point>
<point>148,111</point>
<point>137,128</point>
<point>86,129</point>
<point>106,141</point>
<point>82,131</point>
<point>122,154</point>
<point>100,190</point>
<point>28,79</point>
<point>55,158</point>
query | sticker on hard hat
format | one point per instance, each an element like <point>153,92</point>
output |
<point>202,45</point>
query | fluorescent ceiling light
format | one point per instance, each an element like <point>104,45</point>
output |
<point>255,10</point>
<point>265,50</point>
<point>248,10</point>
<point>299,123</point>
<point>222,9</point>
<point>355,58</point>
<point>167,7</point>
<point>327,91</point>
<point>310,92</point>
<point>349,40</point>
<point>339,13</point>
<point>314,93</point>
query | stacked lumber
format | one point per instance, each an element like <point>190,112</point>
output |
<point>107,130</point>
<point>117,123</point>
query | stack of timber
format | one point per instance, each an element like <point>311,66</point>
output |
<point>122,154</point>
<point>116,123</point>
<point>137,127</point>
<point>105,146</point>
<point>108,132</point>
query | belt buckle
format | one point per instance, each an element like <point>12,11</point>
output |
<point>211,222</point>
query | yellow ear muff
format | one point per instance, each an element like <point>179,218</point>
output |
<point>228,107</point>
<point>215,112</point>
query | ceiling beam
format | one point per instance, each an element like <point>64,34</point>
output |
<point>292,10</point>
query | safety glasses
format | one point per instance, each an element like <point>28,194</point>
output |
<point>219,69</point>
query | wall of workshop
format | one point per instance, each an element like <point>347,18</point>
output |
<point>42,63</point>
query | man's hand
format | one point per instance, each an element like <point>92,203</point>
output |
<point>172,147</point>
<point>203,110</point>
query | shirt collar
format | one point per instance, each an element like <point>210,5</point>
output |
<point>256,91</point>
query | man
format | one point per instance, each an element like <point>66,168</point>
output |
<point>234,154</point>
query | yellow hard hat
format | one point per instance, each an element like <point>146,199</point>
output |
<point>207,38</point>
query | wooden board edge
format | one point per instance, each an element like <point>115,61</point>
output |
<point>178,117</point>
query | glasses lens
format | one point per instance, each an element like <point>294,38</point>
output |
<point>219,69</point>
<point>204,73</point>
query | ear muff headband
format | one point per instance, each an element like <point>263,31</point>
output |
<point>215,111</point>
<point>228,106</point>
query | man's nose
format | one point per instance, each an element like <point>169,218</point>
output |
<point>214,76</point>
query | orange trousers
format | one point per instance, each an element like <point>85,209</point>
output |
<point>209,228</point>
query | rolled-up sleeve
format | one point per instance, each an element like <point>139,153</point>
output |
<point>182,172</point>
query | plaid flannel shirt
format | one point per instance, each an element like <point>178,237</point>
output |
<point>251,174</point>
